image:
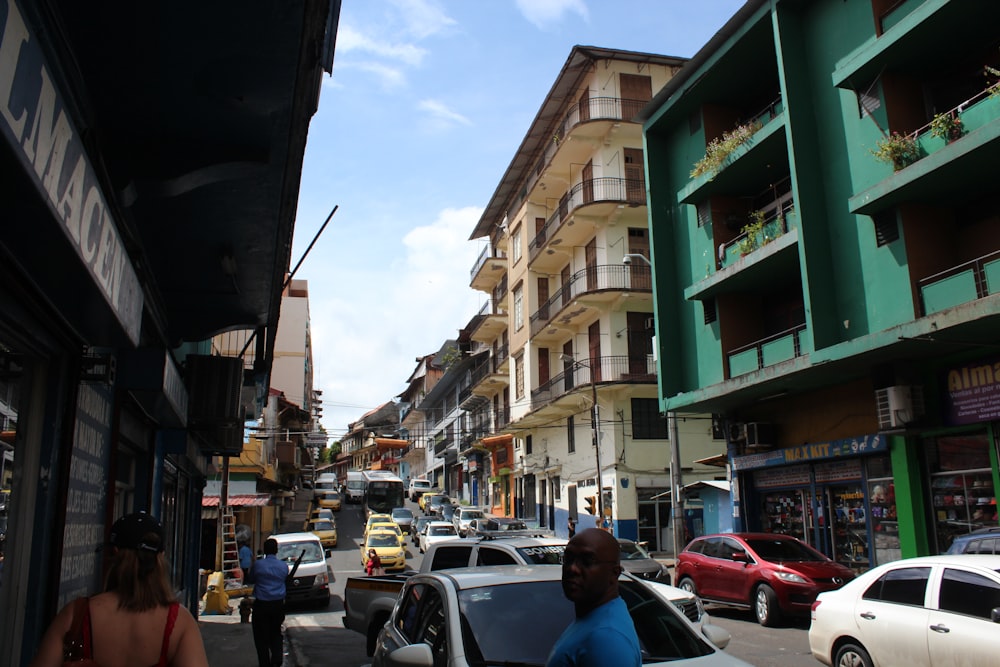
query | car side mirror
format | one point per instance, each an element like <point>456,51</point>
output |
<point>740,556</point>
<point>995,614</point>
<point>412,655</point>
<point>716,634</point>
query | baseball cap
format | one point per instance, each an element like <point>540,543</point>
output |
<point>132,530</point>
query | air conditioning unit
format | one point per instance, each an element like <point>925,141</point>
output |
<point>758,435</point>
<point>898,406</point>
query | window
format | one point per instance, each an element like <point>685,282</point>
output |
<point>519,376</point>
<point>903,586</point>
<point>647,423</point>
<point>489,556</point>
<point>571,434</point>
<point>704,211</point>
<point>518,293</point>
<point>968,593</point>
<point>515,245</point>
<point>708,307</point>
<point>446,557</point>
<point>527,444</point>
<point>556,489</point>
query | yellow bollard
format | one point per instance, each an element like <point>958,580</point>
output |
<point>216,598</point>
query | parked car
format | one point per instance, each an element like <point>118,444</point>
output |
<point>934,610</point>
<point>325,530</point>
<point>982,541</point>
<point>403,516</point>
<point>463,516</point>
<point>312,579</point>
<point>436,531</point>
<point>418,527</point>
<point>636,560</point>
<point>386,544</point>
<point>773,575</point>
<point>513,615</point>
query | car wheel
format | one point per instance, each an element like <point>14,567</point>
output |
<point>687,584</point>
<point>852,655</point>
<point>765,606</point>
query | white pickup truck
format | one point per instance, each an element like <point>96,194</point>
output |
<point>368,601</point>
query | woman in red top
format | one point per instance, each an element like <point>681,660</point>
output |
<point>136,621</point>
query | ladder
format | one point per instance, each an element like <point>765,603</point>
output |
<point>230,550</point>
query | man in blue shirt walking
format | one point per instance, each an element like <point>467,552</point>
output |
<point>269,575</point>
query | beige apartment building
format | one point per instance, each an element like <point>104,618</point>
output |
<point>570,314</point>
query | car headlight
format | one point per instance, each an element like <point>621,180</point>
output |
<point>791,577</point>
<point>322,579</point>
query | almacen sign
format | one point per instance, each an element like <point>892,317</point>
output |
<point>972,392</point>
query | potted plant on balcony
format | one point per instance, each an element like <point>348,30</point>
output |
<point>899,150</point>
<point>753,234</point>
<point>947,126</point>
<point>721,147</point>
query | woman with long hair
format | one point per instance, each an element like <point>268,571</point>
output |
<point>136,621</point>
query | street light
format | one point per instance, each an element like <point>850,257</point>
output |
<point>627,259</point>
<point>594,434</point>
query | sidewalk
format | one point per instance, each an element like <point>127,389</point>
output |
<point>229,643</point>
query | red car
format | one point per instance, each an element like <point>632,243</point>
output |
<point>774,575</point>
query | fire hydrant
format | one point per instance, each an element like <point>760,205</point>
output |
<point>246,607</point>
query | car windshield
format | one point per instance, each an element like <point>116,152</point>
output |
<point>779,551</point>
<point>547,554</point>
<point>632,551</point>
<point>402,513</point>
<point>383,540</point>
<point>468,515</point>
<point>323,525</point>
<point>441,530</point>
<point>289,552</point>
<point>491,615</point>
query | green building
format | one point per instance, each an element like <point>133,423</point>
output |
<point>825,237</point>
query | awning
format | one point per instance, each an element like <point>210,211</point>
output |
<point>391,443</point>
<point>247,500</point>
<point>719,460</point>
<point>497,440</point>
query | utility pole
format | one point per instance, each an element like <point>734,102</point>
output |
<point>676,509</point>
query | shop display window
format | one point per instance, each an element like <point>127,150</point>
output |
<point>882,500</point>
<point>962,495</point>
<point>783,513</point>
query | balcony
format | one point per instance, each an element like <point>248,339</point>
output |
<point>486,379</point>
<point>599,197</point>
<point>769,351</point>
<point>500,293</point>
<point>607,370</point>
<point>966,282</point>
<point>288,454</point>
<point>590,288</point>
<point>489,324</point>
<point>774,223</point>
<point>489,268</point>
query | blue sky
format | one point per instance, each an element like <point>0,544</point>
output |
<point>428,101</point>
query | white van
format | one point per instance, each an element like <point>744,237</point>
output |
<point>311,583</point>
<point>418,487</point>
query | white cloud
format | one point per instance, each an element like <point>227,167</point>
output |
<point>350,39</point>
<point>439,111</point>
<point>389,78</point>
<point>544,13</point>
<point>423,18</point>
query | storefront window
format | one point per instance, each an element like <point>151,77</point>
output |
<point>882,498</point>
<point>962,494</point>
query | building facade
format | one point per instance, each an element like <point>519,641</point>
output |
<point>569,326</point>
<point>825,245</point>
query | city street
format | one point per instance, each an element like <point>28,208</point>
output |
<point>321,638</point>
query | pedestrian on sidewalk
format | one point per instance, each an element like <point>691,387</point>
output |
<point>268,576</point>
<point>136,620</point>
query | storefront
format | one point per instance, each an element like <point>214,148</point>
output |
<point>837,496</point>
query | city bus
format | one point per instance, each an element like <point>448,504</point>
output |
<point>383,492</point>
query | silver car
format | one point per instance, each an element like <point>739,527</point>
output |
<point>468,616</point>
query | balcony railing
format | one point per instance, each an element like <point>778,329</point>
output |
<point>768,351</point>
<point>779,217</point>
<point>502,418</point>
<point>615,368</point>
<point>593,279</point>
<point>500,291</point>
<point>500,356</point>
<point>631,191</point>
<point>960,284</point>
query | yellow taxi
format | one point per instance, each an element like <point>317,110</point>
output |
<point>387,546</point>
<point>388,526</point>
<point>376,518</point>
<point>329,499</point>
<point>325,530</point>
<point>424,497</point>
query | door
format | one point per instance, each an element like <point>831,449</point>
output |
<point>565,288</point>
<point>590,258</point>
<point>640,273</point>
<point>635,178</point>
<point>588,182</point>
<point>542,284</point>
<point>543,366</point>
<point>584,106</point>
<point>848,527</point>
<point>636,91</point>
<point>569,381</point>
<point>594,342</point>
<point>539,239</point>
<point>640,345</point>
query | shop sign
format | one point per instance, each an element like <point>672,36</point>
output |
<point>972,393</point>
<point>34,118</point>
<point>868,444</point>
<point>792,476</point>
<point>86,495</point>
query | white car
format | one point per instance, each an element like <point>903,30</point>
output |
<point>933,611</point>
<point>513,615</point>
<point>464,516</point>
<point>436,531</point>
